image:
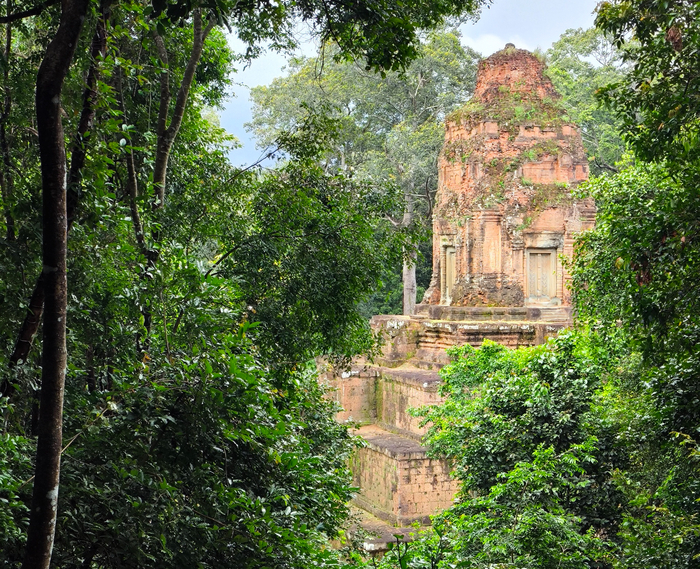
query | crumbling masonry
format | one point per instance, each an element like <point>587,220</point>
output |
<point>505,214</point>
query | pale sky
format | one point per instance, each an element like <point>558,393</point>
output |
<point>529,24</point>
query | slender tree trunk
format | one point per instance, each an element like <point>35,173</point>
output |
<point>30,325</point>
<point>409,284</point>
<point>98,49</point>
<point>49,84</point>
<point>6,172</point>
<point>32,319</point>
<point>409,262</point>
<point>168,133</point>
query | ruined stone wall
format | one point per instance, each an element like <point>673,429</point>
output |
<point>400,484</point>
<point>504,211</point>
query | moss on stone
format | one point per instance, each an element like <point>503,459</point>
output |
<point>511,110</point>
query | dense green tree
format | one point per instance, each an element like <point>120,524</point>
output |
<point>657,101</point>
<point>313,243</point>
<point>580,63</point>
<point>162,267</point>
<point>391,124</point>
<point>637,272</point>
<point>203,461</point>
<point>527,519</point>
<point>502,405</point>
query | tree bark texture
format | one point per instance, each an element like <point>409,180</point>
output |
<point>32,319</point>
<point>52,152</point>
<point>6,173</point>
<point>409,262</point>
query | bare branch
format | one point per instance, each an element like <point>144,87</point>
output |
<point>27,13</point>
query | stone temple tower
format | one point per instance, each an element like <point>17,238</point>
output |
<point>503,218</point>
<point>504,210</point>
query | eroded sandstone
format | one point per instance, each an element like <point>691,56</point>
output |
<point>505,211</point>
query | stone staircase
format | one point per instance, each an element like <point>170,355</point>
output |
<point>399,484</point>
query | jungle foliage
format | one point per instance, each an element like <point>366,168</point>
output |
<point>195,433</point>
<point>584,452</point>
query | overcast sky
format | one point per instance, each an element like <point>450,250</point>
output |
<point>528,24</point>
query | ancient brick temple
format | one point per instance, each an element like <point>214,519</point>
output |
<point>504,215</point>
<point>504,210</point>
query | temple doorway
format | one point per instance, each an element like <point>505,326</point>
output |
<point>541,275</point>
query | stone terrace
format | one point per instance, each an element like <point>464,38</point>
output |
<point>504,217</point>
<point>399,484</point>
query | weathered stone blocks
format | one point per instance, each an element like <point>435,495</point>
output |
<point>355,391</point>
<point>399,483</point>
<point>402,390</point>
<point>423,340</point>
<point>504,212</point>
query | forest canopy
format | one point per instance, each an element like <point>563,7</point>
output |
<point>174,304</point>
<point>170,301</point>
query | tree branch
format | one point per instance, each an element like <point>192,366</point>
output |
<point>167,134</point>
<point>26,333</point>
<point>164,103</point>
<point>27,13</point>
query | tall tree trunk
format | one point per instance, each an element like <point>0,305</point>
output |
<point>168,133</point>
<point>32,319</point>
<point>52,151</point>
<point>6,173</point>
<point>410,258</point>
